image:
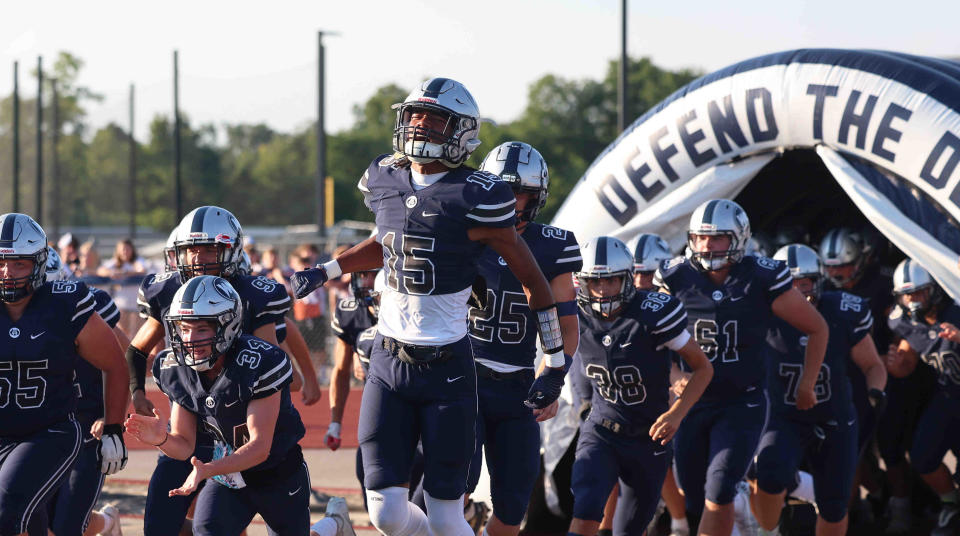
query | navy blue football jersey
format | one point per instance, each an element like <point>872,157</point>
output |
<point>627,361</point>
<point>264,300</point>
<point>350,319</point>
<point>505,330</point>
<point>38,357</point>
<point>89,379</point>
<point>253,369</point>
<point>942,355</point>
<point>876,285</point>
<point>850,320</point>
<point>729,321</point>
<point>424,233</point>
<point>364,346</point>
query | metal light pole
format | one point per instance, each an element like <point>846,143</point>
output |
<point>622,86</point>
<point>132,197</point>
<point>321,140</point>
<point>16,138</point>
<point>178,187</point>
<point>54,161</point>
<point>38,215</point>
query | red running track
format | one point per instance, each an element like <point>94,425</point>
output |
<point>316,418</point>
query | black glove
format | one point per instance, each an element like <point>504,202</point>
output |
<point>112,453</point>
<point>877,399</point>
<point>307,281</point>
<point>545,389</point>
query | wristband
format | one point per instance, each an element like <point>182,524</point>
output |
<point>548,323</point>
<point>166,436</point>
<point>333,269</point>
<point>567,308</point>
<point>555,360</point>
<point>137,365</point>
<point>334,429</point>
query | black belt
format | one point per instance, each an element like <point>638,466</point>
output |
<point>415,354</point>
<point>621,429</point>
<point>490,374</point>
<point>288,466</point>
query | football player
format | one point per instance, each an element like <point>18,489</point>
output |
<point>46,326</point>
<point>923,318</point>
<point>236,388</point>
<point>848,268</point>
<point>626,336</point>
<point>825,435</point>
<point>71,509</point>
<point>505,343</point>
<point>434,217</point>
<point>730,298</point>
<point>208,240</point>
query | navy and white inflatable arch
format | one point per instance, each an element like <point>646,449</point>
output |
<point>885,124</point>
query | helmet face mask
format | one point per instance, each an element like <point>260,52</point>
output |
<point>22,239</point>
<point>362,284</point>
<point>716,218</point>
<point>842,252</point>
<point>605,259</point>
<point>916,292</point>
<point>203,299</point>
<point>438,121</point>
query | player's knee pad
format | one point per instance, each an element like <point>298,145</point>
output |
<point>446,516</point>
<point>392,514</point>
<point>832,510</point>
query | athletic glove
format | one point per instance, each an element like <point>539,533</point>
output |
<point>307,281</point>
<point>545,389</point>
<point>877,399</point>
<point>112,453</point>
<point>332,437</point>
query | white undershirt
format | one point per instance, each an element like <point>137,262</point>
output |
<point>433,320</point>
<point>421,181</point>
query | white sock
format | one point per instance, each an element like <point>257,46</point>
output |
<point>679,524</point>
<point>446,517</point>
<point>325,527</point>
<point>393,515</point>
<point>108,521</point>
<point>804,490</point>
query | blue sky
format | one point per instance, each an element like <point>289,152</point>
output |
<point>256,62</point>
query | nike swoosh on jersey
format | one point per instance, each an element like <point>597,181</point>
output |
<point>294,492</point>
<point>624,345</point>
<point>234,403</point>
<point>451,380</point>
<point>430,214</point>
<point>749,405</point>
<point>34,336</point>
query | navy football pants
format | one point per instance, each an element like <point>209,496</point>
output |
<point>31,471</point>
<point>602,459</point>
<point>511,435</point>
<point>70,507</point>
<point>164,515</point>
<point>937,432</point>
<point>714,447</point>
<point>436,403</point>
<point>832,458</point>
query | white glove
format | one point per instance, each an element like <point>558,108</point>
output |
<point>112,453</point>
<point>332,437</point>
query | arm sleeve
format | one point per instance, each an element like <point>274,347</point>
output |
<point>275,374</point>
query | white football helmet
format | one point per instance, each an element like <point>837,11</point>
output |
<point>170,252</point>
<point>459,137</point>
<point>910,278</point>
<point>245,266</point>
<point>204,297</point>
<point>804,263</point>
<point>842,247</point>
<point>524,169</point>
<point>650,250</point>
<point>719,217</point>
<point>22,238</point>
<point>56,271</point>
<point>209,226</point>
<point>605,257</point>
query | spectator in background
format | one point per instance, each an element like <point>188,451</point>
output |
<point>310,312</point>
<point>69,251</point>
<point>270,265</point>
<point>126,269</point>
<point>89,260</point>
<point>249,246</point>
